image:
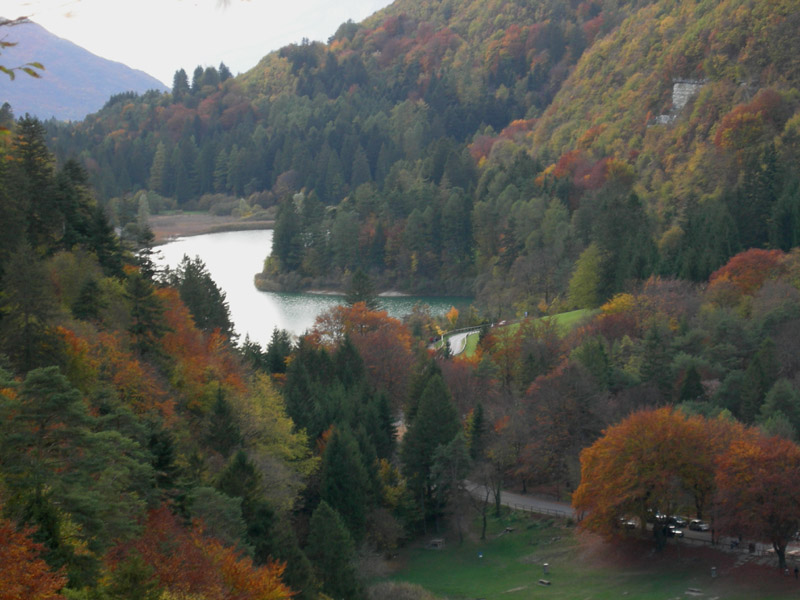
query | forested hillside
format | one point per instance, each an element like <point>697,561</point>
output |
<point>635,160</point>
<point>485,148</point>
<point>144,455</point>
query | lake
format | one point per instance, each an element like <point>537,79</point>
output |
<point>234,257</point>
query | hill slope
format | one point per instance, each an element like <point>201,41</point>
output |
<point>491,144</point>
<point>75,82</point>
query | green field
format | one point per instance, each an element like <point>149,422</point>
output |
<point>564,321</point>
<point>510,565</point>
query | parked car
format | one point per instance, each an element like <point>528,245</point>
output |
<point>626,523</point>
<point>673,531</point>
<point>698,525</point>
<point>678,522</point>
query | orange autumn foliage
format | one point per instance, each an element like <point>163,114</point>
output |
<point>757,490</point>
<point>23,574</point>
<point>384,343</point>
<point>199,358</point>
<point>185,562</point>
<point>653,460</point>
<point>748,270</point>
<point>135,381</point>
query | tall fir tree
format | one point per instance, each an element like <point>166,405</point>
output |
<point>331,551</point>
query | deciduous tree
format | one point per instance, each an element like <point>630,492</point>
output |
<point>758,493</point>
<point>23,573</point>
<point>653,460</point>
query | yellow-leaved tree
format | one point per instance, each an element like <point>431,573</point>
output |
<point>281,454</point>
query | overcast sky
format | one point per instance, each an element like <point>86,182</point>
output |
<point>162,36</point>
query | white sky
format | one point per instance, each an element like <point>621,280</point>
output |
<point>162,36</point>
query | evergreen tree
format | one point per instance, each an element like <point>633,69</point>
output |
<point>197,79</point>
<point>435,424</point>
<point>330,550</point>
<point>34,184</point>
<point>419,381</point>
<point>477,433</point>
<point>278,350</point>
<point>344,483</point>
<point>61,468</point>
<point>287,244</point>
<point>201,295</point>
<point>272,538</point>
<point>348,365</point>
<point>180,85</point>
<point>105,244</point>
<point>224,72</point>
<point>361,290</point>
<point>147,321</point>
<point>759,377</point>
<point>240,479</point>
<point>782,399</point>
<point>90,301</point>
<point>692,387</point>
<point>223,432</point>
<point>27,305</point>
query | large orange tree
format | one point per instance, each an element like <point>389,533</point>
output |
<point>653,460</point>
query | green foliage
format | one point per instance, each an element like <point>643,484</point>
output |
<point>63,472</point>
<point>331,551</point>
<point>361,289</point>
<point>204,299</point>
<point>586,288</point>
<point>344,481</point>
<point>435,424</point>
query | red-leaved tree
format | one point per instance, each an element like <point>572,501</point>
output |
<point>758,491</point>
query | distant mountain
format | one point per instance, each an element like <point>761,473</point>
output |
<point>75,82</point>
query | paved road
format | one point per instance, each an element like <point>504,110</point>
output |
<point>458,342</point>
<point>527,503</point>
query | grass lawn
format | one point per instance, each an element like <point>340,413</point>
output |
<point>583,567</point>
<point>564,321</point>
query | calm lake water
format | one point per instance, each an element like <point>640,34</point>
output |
<point>234,257</point>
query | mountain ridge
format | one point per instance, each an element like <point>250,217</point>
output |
<point>74,82</point>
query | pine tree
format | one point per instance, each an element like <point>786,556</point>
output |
<point>344,482</point>
<point>27,305</point>
<point>436,423</point>
<point>330,550</point>
<point>180,85</point>
<point>361,290</point>
<point>201,295</point>
<point>147,320</point>
<point>223,432</point>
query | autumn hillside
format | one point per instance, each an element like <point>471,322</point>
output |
<point>147,452</point>
<point>492,148</point>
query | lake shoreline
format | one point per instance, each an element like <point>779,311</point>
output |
<point>167,228</point>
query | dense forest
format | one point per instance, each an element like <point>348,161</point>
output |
<point>632,160</point>
<point>483,148</point>
<point>144,453</point>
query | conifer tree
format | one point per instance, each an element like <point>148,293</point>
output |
<point>223,432</point>
<point>435,424</point>
<point>344,483</point>
<point>361,289</point>
<point>330,550</point>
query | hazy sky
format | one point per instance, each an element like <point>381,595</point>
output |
<point>162,36</point>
